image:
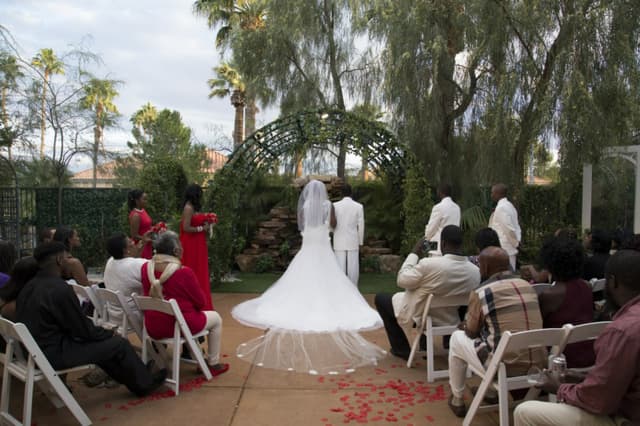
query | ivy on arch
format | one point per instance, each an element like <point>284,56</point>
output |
<point>289,139</point>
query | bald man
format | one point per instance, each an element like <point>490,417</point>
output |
<point>503,302</point>
<point>504,220</point>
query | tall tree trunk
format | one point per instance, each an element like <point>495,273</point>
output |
<point>237,100</point>
<point>94,154</point>
<point>5,116</point>
<point>42,114</point>
<point>250,117</point>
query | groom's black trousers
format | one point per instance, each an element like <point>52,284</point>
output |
<point>398,339</point>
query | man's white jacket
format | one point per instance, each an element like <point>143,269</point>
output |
<point>349,231</point>
<point>504,220</point>
<point>445,213</point>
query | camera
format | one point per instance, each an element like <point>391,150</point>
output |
<point>427,246</point>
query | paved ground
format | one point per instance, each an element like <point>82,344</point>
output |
<point>253,396</point>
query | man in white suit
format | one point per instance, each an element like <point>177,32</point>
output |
<point>504,220</point>
<point>348,234</point>
<point>446,212</point>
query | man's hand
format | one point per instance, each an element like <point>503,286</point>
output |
<point>549,383</point>
<point>462,325</point>
<point>419,248</point>
<point>573,376</point>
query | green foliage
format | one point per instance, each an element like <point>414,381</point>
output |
<point>164,181</point>
<point>371,264</point>
<point>265,263</point>
<point>42,173</point>
<point>383,219</point>
<point>416,206</point>
<point>95,214</point>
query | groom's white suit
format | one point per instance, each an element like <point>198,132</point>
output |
<point>348,236</point>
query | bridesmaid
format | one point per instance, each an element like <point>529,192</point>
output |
<point>193,230</point>
<point>139,220</point>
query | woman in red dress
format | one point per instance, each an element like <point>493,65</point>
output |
<point>139,220</point>
<point>193,230</point>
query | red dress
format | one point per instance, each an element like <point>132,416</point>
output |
<point>195,255</point>
<point>183,287</point>
<point>145,225</point>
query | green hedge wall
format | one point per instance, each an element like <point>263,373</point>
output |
<point>95,213</point>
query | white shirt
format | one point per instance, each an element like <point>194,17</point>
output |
<point>445,213</point>
<point>349,231</point>
<point>124,275</point>
<point>449,275</point>
<point>504,220</point>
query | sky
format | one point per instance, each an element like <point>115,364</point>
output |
<point>162,52</point>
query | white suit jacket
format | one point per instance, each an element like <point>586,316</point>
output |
<point>504,220</point>
<point>349,231</point>
<point>448,275</point>
<point>445,213</point>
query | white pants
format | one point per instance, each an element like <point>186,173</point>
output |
<point>462,352</point>
<point>214,326</point>
<point>512,261</point>
<point>349,261</point>
<point>531,413</point>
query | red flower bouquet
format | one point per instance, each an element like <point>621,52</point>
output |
<point>210,218</point>
<point>159,228</point>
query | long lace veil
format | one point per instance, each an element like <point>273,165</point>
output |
<point>312,205</point>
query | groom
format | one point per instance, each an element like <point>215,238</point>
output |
<point>348,234</point>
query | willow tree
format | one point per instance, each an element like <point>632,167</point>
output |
<point>306,54</point>
<point>10,73</point>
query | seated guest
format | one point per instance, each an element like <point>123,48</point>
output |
<point>72,268</point>
<point>533,275</point>
<point>485,237</point>
<point>122,272</point>
<point>609,394</point>
<point>570,299</point>
<point>50,310</point>
<point>165,277</point>
<point>8,257</point>
<point>447,275</point>
<point>600,245</point>
<point>503,302</point>
<point>21,274</point>
<point>46,235</point>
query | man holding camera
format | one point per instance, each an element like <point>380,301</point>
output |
<point>449,275</point>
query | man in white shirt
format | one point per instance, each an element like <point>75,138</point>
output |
<point>348,234</point>
<point>504,220</point>
<point>446,212</point>
<point>122,272</point>
<point>449,275</point>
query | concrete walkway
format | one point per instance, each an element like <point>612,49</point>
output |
<point>252,396</point>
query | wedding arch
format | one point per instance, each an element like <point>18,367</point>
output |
<point>291,137</point>
<point>630,153</point>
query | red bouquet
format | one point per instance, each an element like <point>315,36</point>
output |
<point>159,228</point>
<point>210,218</point>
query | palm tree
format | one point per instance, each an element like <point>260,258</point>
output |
<point>144,117</point>
<point>229,82</point>
<point>48,63</point>
<point>10,72</point>
<point>248,15</point>
<point>98,97</point>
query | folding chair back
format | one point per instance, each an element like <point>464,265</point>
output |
<point>111,301</point>
<point>580,333</point>
<point>540,287</point>
<point>181,334</point>
<point>88,293</point>
<point>510,343</point>
<point>30,368</point>
<point>598,284</point>
<point>427,328</point>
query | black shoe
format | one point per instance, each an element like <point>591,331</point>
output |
<point>489,398</point>
<point>458,410</point>
<point>403,355</point>
<point>157,380</point>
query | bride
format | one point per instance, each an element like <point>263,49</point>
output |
<point>313,313</point>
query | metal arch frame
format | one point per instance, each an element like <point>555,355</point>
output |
<point>299,133</point>
<point>630,153</point>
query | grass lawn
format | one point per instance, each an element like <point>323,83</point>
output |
<point>370,283</point>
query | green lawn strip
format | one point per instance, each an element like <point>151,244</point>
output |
<point>370,283</point>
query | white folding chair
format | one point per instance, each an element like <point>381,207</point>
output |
<point>31,368</point>
<point>597,284</point>
<point>427,328</point>
<point>496,374</point>
<point>88,293</point>
<point>113,301</point>
<point>181,334</point>
<point>581,333</point>
<point>540,287</point>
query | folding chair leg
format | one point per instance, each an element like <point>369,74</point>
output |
<point>6,381</point>
<point>196,352</point>
<point>28,392</point>
<point>477,399</point>
<point>430,356</point>
<point>414,349</point>
<point>176,365</point>
<point>503,396</point>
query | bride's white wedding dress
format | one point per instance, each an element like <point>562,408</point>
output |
<point>312,314</point>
